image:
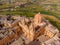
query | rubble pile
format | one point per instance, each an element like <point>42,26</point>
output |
<point>21,30</point>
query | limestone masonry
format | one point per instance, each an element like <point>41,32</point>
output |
<point>21,30</point>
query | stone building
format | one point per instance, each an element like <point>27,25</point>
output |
<point>22,31</point>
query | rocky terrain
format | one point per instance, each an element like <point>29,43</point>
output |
<point>21,30</point>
